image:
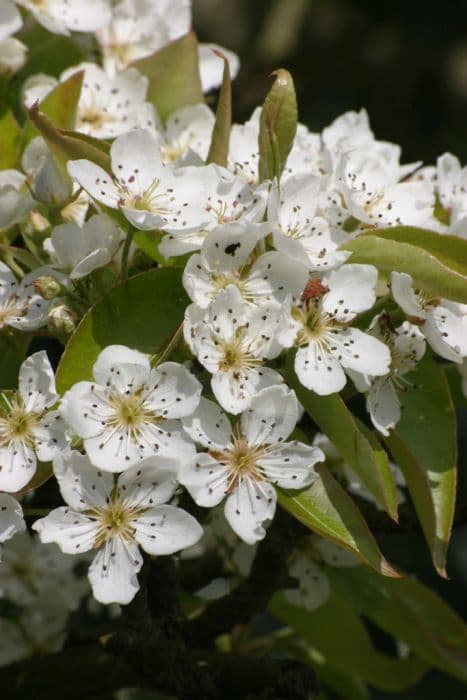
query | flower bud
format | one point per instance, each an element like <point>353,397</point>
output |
<point>62,319</point>
<point>47,286</point>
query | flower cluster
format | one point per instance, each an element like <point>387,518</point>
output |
<point>271,285</point>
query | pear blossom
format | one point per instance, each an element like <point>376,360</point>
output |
<point>313,588</point>
<point>186,136</point>
<point>442,322</point>
<point>116,518</point>
<point>130,411</point>
<point>319,326</point>
<point>451,186</point>
<point>109,107</point>
<point>11,519</point>
<point>80,250</point>
<point>298,229</point>
<point>40,628</point>
<point>244,463</point>
<point>185,202</point>
<point>21,306</point>
<point>63,16</point>
<point>232,344</point>
<point>30,568</point>
<point>138,28</point>
<point>28,429</point>
<point>224,259</point>
<point>407,347</point>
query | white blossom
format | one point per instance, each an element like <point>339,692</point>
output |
<point>186,136</point>
<point>227,258</point>
<point>243,464</point>
<point>130,411</point>
<point>109,107</point>
<point>15,200</point>
<point>211,66</point>
<point>319,327</point>
<point>116,519</point>
<point>441,321</point>
<point>232,343</point>
<point>80,250</point>
<point>28,429</point>
<point>185,202</point>
<point>407,347</point>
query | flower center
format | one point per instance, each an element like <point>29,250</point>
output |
<point>115,520</point>
<point>236,357</point>
<point>315,324</point>
<point>17,425</point>
<point>130,413</point>
<point>148,200</point>
<point>12,310</point>
<point>242,460</point>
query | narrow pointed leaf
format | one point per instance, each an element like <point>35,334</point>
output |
<point>327,509</point>
<point>336,633</point>
<point>437,262</point>
<point>125,316</point>
<point>68,145</point>
<point>219,148</point>
<point>410,612</point>
<point>173,74</point>
<point>424,446</point>
<point>278,126</point>
<point>353,441</point>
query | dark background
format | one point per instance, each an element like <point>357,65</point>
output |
<point>404,60</point>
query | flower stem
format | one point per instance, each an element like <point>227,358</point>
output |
<point>169,348</point>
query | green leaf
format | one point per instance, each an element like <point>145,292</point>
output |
<point>148,242</point>
<point>326,508</point>
<point>424,446</point>
<point>353,441</point>
<point>412,613</point>
<point>219,148</point>
<point>437,262</point>
<point>10,131</point>
<point>70,145</point>
<point>277,126</point>
<point>142,313</point>
<point>336,633</point>
<point>13,348</point>
<point>60,106</point>
<point>173,74</point>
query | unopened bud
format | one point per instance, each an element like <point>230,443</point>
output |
<point>47,286</point>
<point>62,319</point>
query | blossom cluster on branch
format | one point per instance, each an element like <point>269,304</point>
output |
<point>282,303</point>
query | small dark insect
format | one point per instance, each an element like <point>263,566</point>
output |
<point>231,248</point>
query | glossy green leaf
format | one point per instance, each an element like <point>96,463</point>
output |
<point>173,74</point>
<point>13,348</point>
<point>277,127</point>
<point>142,313</point>
<point>354,442</point>
<point>336,633</point>
<point>69,145</point>
<point>11,132</point>
<point>437,262</point>
<point>327,509</point>
<point>412,613</point>
<point>424,446</point>
<point>219,148</point>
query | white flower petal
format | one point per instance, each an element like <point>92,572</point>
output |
<point>120,367</point>
<point>205,479</point>
<point>290,466</point>
<point>402,291</point>
<point>36,382</point>
<point>174,391</point>
<point>246,509</point>
<point>11,518</point>
<point>166,529</point>
<point>351,290</point>
<point>319,371</point>
<point>209,426</point>
<point>50,436</point>
<point>17,466</point>
<point>151,483</point>
<point>313,584</point>
<point>383,405</point>
<point>113,572</point>
<point>235,390</point>
<point>271,417</point>
<point>362,352</point>
<point>136,158</point>
<point>74,532</point>
<point>81,484</point>
<point>96,181</point>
